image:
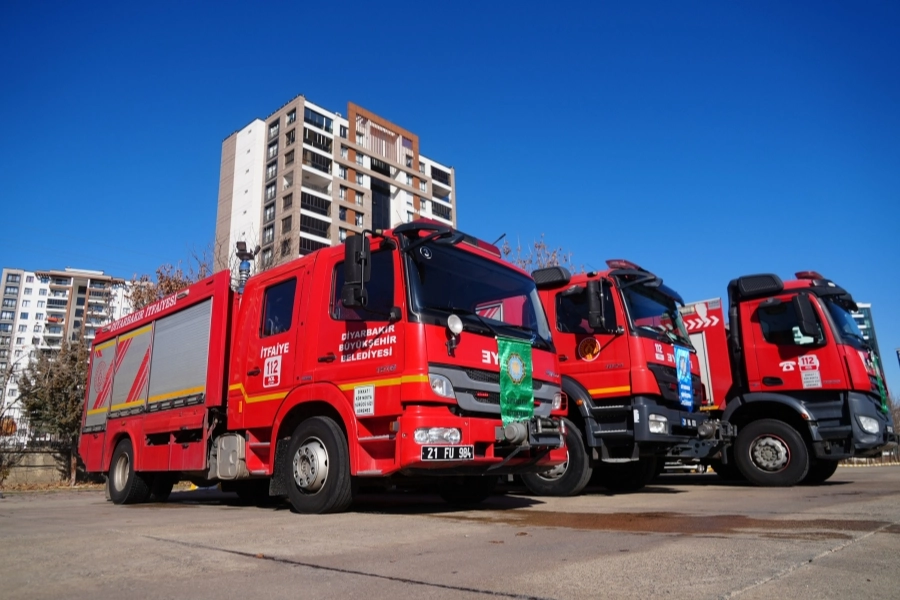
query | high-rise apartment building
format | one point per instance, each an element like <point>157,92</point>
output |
<point>863,318</point>
<point>41,308</point>
<point>305,177</point>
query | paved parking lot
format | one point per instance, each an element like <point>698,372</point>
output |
<point>683,536</point>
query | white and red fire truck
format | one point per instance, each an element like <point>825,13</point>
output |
<point>374,361</point>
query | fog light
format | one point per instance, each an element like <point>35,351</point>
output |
<point>441,386</point>
<point>557,401</point>
<point>658,423</point>
<point>868,424</point>
<point>435,435</point>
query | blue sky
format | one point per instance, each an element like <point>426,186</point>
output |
<point>702,140</point>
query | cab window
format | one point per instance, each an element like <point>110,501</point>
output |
<point>572,310</point>
<point>278,308</point>
<point>380,289</point>
<point>780,325</point>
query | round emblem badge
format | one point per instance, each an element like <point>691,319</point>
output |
<point>589,349</point>
<point>425,251</point>
<point>516,368</point>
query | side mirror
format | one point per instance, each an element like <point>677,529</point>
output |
<point>806,315</point>
<point>596,318</point>
<point>357,271</point>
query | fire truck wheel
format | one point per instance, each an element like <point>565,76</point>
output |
<point>466,491</point>
<point>317,473</point>
<point>627,477</point>
<point>728,471</point>
<point>771,453</point>
<point>820,471</point>
<point>567,479</point>
<point>161,488</point>
<point>126,486</point>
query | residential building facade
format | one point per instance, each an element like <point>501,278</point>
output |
<point>42,308</point>
<point>306,177</point>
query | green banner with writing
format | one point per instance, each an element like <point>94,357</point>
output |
<point>516,391</point>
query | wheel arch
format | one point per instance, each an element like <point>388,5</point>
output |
<point>754,407</point>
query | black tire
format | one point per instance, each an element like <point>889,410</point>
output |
<point>820,471</point>
<point>126,486</point>
<point>161,488</point>
<point>771,453</point>
<point>568,479</point>
<point>252,491</point>
<point>728,471</point>
<point>466,491</point>
<point>626,477</point>
<point>317,468</point>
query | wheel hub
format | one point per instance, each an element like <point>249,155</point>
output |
<point>554,473</point>
<point>310,466</point>
<point>770,453</point>
<point>121,473</point>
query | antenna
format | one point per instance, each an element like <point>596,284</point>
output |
<point>498,239</point>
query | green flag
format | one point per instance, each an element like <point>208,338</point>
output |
<point>516,392</point>
<point>882,391</point>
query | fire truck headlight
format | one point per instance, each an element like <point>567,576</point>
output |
<point>441,386</point>
<point>868,424</point>
<point>437,435</point>
<point>557,401</point>
<point>657,423</point>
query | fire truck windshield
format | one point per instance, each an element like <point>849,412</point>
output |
<point>844,322</point>
<point>489,297</point>
<point>653,313</point>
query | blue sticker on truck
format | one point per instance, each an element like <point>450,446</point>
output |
<point>685,385</point>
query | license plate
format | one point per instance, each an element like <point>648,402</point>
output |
<point>688,422</point>
<point>448,452</point>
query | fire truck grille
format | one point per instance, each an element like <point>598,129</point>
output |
<point>492,377</point>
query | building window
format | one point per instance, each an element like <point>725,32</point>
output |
<point>38,328</point>
<point>360,178</point>
<point>41,303</point>
<point>39,316</point>
<point>359,219</point>
<point>269,213</point>
<point>286,247</point>
<point>273,129</point>
<point>287,181</point>
<point>423,186</point>
<point>317,161</point>
<point>409,179</point>
<point>271,170</point>
<point>343,131</point>
<point>289,158</point>
<point>9,303</point>
<point>11,290</point>
<point>23,316</point>
<point>286,224</point>
<point>342,173</point>
<point>315,204</point>
<point>343,152</point>
<point>267,257</point>
<point>287,201</point>
<point>307,245</point>
<point>42,292</point>
<point>317,120</point>
<point>20,341</point>
<point>6,327</point>
<point>342,193</point>
<point>268,234</point>
<point>8,315</point>
<point>441,211</point>
<point>314,226</point>
<point>271,191</point>
<point>273,150</point>
<point>22,328</point>
<point>290,137</point>
<point>292,116</point>
<point>13,278</point>
<point>359,158</point>
<point>342,214</point>
<point>359,197</point>
<point>342,234</point>
<point>316,140</point>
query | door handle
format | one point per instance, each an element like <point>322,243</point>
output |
<point>327,358</point>
<point>772,381</point>
<point>563,358</point>
<point>253,372</point>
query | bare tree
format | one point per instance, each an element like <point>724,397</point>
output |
<point>13,436</point>
<point>538,256</point>
<point>169,279</point>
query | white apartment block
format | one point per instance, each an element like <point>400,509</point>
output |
<point>41,308</point>
<point>306,177</point>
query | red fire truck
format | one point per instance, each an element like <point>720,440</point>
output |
<point>795,376</point>
<point>380,360</point>
<point>629,373</point>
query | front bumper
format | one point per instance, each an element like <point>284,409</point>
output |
<point>834,439</point>
<point>541,447</point>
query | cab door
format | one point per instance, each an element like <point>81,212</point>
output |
<point>785,358</point>
<point>362,350</point>
<point>597,358</point>
<point>268,352</point>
